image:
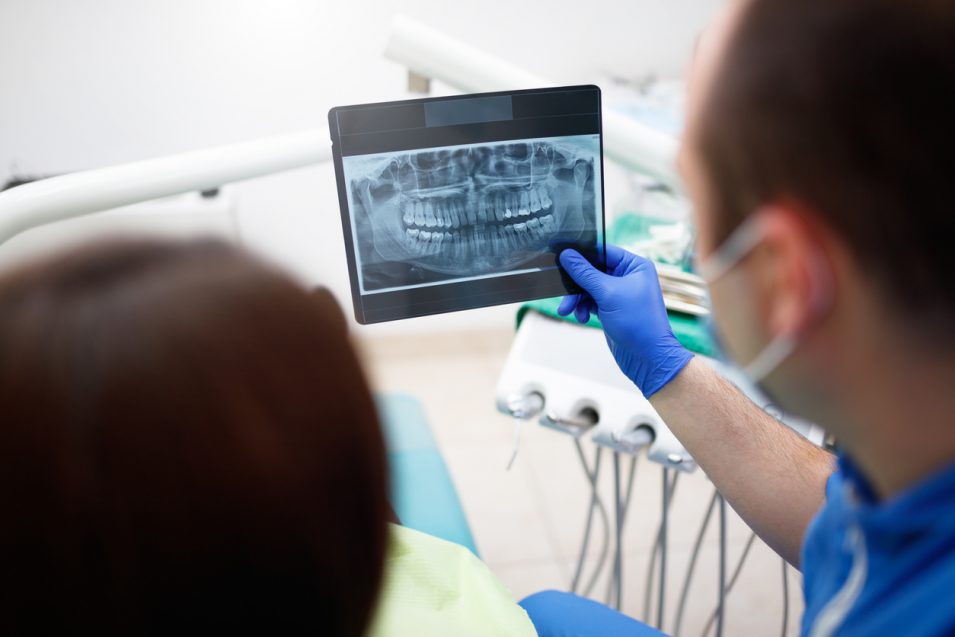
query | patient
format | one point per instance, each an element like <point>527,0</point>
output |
<point>186,442</point>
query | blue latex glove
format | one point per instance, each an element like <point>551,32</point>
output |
<point>629,304</point>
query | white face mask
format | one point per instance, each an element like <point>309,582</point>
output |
<point>726,257</point>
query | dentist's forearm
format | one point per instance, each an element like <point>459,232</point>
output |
<point>770,475</point>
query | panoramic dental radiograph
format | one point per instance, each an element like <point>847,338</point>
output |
<point>441,214</point>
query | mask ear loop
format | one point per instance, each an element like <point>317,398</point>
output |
<point>771,357</point>
<point>740,243</point>
<point>781,347</point>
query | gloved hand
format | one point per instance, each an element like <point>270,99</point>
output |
<point>629,304</point>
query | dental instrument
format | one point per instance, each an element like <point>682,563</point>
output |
<point>664,531</point>
<point>615,585</point>
<point>691,565</point>
<point>595,503</point>
<point>659,546</point>
<point>720,612</point>
<point>785,597</point>
<point>522,408</point>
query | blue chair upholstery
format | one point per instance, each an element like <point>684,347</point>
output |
<point>422,493</point>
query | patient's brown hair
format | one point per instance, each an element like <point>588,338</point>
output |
<point>186,441</point>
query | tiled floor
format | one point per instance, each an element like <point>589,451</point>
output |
<point>528,522</point>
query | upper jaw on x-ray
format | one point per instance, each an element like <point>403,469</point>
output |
<point>471,210</point>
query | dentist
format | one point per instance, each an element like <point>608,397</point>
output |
<point>818,156</point>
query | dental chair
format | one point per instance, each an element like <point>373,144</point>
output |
<point>422,492</point>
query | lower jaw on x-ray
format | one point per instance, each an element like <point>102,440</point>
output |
<point>438,215</point>
<point>460,202</point>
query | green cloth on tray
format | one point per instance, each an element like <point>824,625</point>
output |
<point>690,330</point>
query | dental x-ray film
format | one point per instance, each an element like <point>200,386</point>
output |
<point>462,202</point>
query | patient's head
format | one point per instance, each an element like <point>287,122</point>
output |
<point>186,441</point>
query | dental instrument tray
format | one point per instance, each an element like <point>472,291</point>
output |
<point>455,203</point>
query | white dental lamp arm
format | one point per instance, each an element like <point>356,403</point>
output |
<point>433,54</point>
<point>421,49</point>
<point>86,192</point>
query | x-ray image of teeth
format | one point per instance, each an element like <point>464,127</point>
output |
<point>426,216</point>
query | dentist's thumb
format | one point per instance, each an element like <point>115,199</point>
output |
<point>584,274</point>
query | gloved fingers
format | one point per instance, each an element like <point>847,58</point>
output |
<point>567,304</point>
<point>621,262</point>
<point>581,305</point>
<point>615,254</point>
<point>583,273</point>
<point>582,312</point>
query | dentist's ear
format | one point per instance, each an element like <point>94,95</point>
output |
<point>799,267</point>
<point>822,291</point>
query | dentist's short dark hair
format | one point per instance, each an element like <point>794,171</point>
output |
<point>848,107</point>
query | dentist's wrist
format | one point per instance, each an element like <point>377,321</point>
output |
<point>676,386</point>
<point>667,366</point>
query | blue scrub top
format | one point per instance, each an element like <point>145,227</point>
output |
<point>869,568</point>
<point>881,568</point>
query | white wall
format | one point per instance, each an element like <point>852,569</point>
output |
<point>95,82</point>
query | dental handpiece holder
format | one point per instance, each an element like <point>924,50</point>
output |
<point>567,372</point>
<point>524,405</point>
<point>576,425</point>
